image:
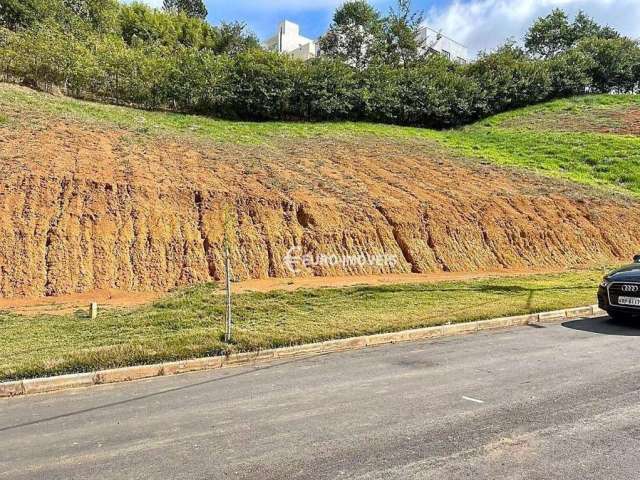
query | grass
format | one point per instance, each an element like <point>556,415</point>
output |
<point>569,138</point>
<point>189,323</point>
<point>588,107</point>
<point>605,160</point>
<point>153,123</point>
<point>558,139</point>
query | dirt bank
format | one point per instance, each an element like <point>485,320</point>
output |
<point>64,304</point>
<point>85,208</point>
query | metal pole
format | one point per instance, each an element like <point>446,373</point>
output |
<point>227,268</point>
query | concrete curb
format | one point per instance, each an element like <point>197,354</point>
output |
<point>116,375</point>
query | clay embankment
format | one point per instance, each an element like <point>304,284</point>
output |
<point>84,209</point>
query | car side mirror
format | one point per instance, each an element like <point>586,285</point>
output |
<point>636,259</point>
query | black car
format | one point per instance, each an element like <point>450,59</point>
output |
<point>619,292</point>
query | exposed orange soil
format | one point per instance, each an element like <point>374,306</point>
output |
<point>79,301</point>
<point>84,208</point>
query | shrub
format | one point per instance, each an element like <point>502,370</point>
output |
<point>382,95</point>
<point>262,84</point>
<point>437,94</point>
<point>614,63</point>
<point>198,81</point>
<point>324,89</point>
<point>570,73</point>
<point>509,79</point>
<point>132,54</point>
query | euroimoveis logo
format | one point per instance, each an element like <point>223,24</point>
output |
<point>296,260</point>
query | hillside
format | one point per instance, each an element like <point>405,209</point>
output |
<point>95,196</point>
<point>593,140</point>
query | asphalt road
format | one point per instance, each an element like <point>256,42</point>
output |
<point>561,401</point>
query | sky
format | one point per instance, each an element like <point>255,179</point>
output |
<point>478,24</point>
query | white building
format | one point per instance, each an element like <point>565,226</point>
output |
<point>288,40</point>
<point>434,41</point>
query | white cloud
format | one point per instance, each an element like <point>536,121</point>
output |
<point>485,24</point>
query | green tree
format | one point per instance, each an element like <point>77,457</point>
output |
<point>570,73</point>
<point>614,63</point>
<point>100,15</point>
<point>10,54</point>
<point>198,81</point>
<point>355,36</point>
<point>554,34</point>
<point>550,35</point>
<point>585,27</point>
<point>193,8</point>
<point>402,26</point>
<point>436,94</point>
<point>43,56</point>
<point>141,24</point>
<point>325,89</point>
<point>136,55</point>
<point>381,94</point>
<point>508,78</point>
<point>17,14</point>
<point>233,38</point>
<point>263,84</point>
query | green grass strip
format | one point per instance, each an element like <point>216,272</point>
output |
<point>190,323</point>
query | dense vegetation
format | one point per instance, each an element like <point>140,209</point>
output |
<point>132,54</point>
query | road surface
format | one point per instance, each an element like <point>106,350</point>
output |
<point>560,401</point>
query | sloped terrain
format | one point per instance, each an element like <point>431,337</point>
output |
<point>594,140</point>
<point>617,114</point>
<point>96,197</point>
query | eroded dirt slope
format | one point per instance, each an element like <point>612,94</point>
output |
<point>86,207</point>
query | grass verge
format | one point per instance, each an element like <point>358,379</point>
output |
<point>189,323</point>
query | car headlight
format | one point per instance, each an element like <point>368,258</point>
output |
<point>605,282</point>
